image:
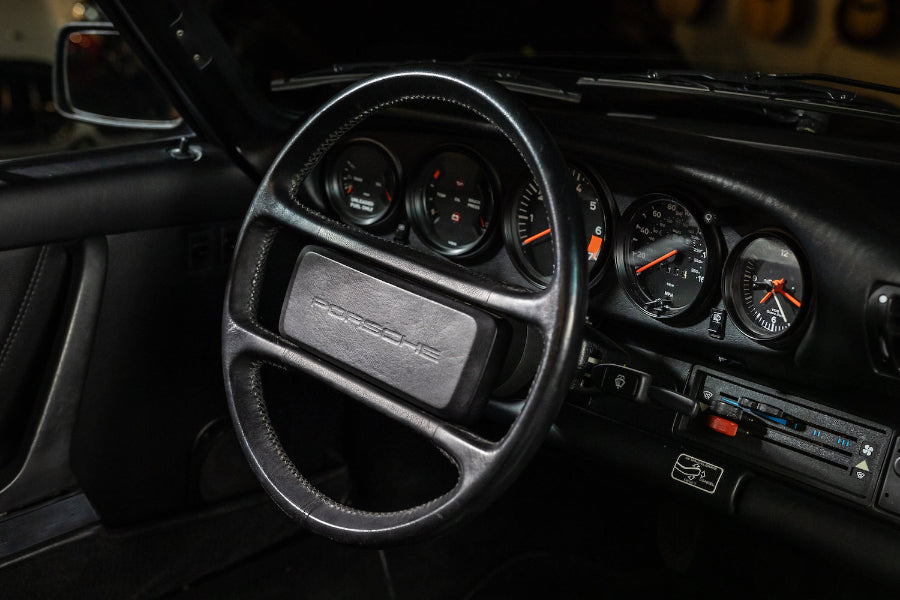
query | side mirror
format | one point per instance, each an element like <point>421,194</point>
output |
<point>98,79</point>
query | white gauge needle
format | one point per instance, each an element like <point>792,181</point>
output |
<point>781,310</point>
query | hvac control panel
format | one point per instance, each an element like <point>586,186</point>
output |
<point>792,436</point>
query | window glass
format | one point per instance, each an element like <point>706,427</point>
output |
<point>278,39</point>
<point>29,122</point>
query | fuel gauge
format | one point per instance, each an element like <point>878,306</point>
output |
<point>362,183</point>
<point>765,286</point>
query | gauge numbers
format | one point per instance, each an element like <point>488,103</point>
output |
<point>529,236</point>
<point>664,257</point>
<point>765,286</point>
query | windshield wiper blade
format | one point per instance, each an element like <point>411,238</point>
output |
<point>347,73</point>
<point>794,89</point>
<point>336,74</point>
<point>772,86</point>
<point>857,83</point>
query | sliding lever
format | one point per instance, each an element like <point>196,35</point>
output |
<point>635,385</point>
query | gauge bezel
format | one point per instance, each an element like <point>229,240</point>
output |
<point>731,288</point>
<point>706,295</point>
<point>333,191</point>
<point>510,230</point>
<point>415,199</point>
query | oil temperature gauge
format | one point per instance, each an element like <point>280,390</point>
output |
<point>765,286</point>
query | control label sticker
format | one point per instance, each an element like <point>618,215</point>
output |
<point>697,473</point>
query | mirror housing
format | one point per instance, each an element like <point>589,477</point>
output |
<point>98,79</point>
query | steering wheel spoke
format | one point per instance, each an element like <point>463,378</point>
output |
<point>419,267</point>
<point>249,343</point>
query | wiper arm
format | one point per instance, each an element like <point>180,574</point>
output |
<point>763,84</point>
<point>857,83</point>
<point>793,89</point>
<point>338,73</point>
<point>774,86</point>
<point>512,79</point>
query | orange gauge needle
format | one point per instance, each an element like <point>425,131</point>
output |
<point>793,300</point>
<point>535,237</point>
<point>349,189</point>
<point>388,195</point>
<point>778,287</point>
<point>657,261</point>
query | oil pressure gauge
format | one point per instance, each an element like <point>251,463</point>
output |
<point>452,203</point>
<point>765,286</point>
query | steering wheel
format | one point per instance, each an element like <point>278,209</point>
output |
<point>405,332</point>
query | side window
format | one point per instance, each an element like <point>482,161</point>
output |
<point>31,123</point>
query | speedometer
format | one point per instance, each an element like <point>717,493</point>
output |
<point>665,256</point>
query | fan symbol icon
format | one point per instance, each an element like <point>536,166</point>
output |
<point>868,450</point>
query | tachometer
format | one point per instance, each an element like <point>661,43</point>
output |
<point>529,237</point>
<point>362,183</point>
<point>765,286</point>
<point>452,203</point>
<point>665,256</point>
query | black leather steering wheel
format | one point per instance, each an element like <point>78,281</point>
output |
<point>324,309</point>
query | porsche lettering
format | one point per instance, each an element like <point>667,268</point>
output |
<point>388,335</point>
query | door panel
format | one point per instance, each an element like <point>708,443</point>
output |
<point>31,280</point>
<point>57,373</point>
<point>154,382</point>
<point>111,288</point>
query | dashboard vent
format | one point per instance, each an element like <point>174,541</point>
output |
<point>883,320</point>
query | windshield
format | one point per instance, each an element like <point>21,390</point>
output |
<point>277,39</point>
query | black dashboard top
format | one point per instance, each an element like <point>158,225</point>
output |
<point>830,208</point>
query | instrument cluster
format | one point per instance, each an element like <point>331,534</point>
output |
<point>665,249</point>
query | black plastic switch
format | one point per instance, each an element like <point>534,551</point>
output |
<point>622,381</point>
<point>717,319</point>
<point>867,448</point>
<point>748,403</point>
<point>860,473</point>
<point>726,410</point>
<point>768,409</point>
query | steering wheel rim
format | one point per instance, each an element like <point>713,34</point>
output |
<point>485,468</point>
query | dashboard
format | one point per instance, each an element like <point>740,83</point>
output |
<point>741,285</point>
<point>679,257</point>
